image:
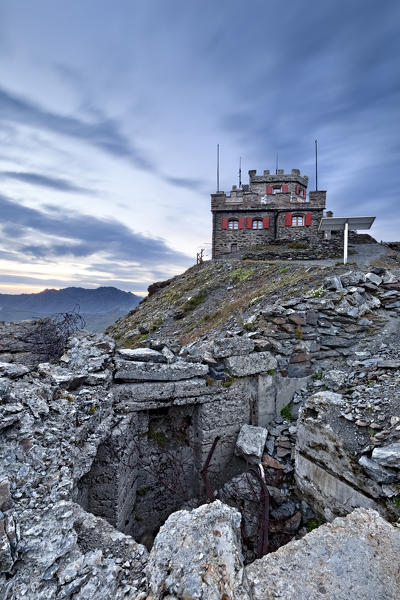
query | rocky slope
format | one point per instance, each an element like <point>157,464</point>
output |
<point>278,395</point>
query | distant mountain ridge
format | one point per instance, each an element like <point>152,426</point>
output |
<point>100,307</point>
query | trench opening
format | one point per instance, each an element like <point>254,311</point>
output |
<point>148,468</point>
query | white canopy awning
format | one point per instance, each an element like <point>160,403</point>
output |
<point>344,224</point>
<point>338,223</point>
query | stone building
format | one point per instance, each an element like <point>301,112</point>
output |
<point>271,207</point>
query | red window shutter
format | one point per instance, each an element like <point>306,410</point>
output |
<point>285,188</point>
<point>249,223</point>
<point>288,219</point>
<point>304,192</point>
<point>297,190</point>
<point>241,222</point>
<point>266,222</point>
<point>307,219</point>
<point>269,189</point>
<point>224,223</point>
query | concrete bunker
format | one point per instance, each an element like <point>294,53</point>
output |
<point>149,465</point>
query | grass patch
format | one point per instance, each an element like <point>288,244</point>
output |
<point>283,270</point>
<point>313,524</point>
<point>286,412</point>
<point>298,245</point>
<point>241,275</point>
<point>228,382</point>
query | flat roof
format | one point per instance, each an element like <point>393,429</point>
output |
<point>338,223</point>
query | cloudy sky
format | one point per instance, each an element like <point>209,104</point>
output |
<point>110,112</point>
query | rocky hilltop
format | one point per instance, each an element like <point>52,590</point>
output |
<point>237,436</point>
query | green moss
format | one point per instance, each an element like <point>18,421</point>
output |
<point>271,372</point>
<point>313,524</point>
<point>299,332</point>
<point>283,270</point>
<point>396,501</point>
<point>93,409</point>
<point>228,382</point>
<point>241,275</point>
<point>286,412</point>
<point>158,437</point>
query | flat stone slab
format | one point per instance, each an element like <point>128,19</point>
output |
<point>142,355</point>
<point>233,346</point>
<point>142,392</point>
<point>252,364</point>
<point>351,558</point>
<point>128,370</point>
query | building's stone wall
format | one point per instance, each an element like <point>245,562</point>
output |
<point>253,201</point>
<point>294,233</point>
<point>244,238</point>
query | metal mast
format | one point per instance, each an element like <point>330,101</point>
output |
<point>217,167</point>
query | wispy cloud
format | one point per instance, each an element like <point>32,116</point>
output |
<point>101,133</point>
<point>84,236</point>
<point>54,183</point>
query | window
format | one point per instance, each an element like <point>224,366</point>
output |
<point>257,224</point>
<point>277,190</point>
<point>233,247</point>
<point>233,224</point>
<point>297,221</point>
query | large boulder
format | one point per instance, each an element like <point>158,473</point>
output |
<point>327,468</point>
<point>352,557</point>
<point>197,556</point>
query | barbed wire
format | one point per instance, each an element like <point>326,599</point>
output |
<point>51,333</point>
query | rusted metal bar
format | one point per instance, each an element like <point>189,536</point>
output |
<point>204,472</point>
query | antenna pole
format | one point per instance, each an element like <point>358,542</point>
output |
<point>276,168</point>
<point>217,167</point>
<point>240,172</point>
<point>316,165</point>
